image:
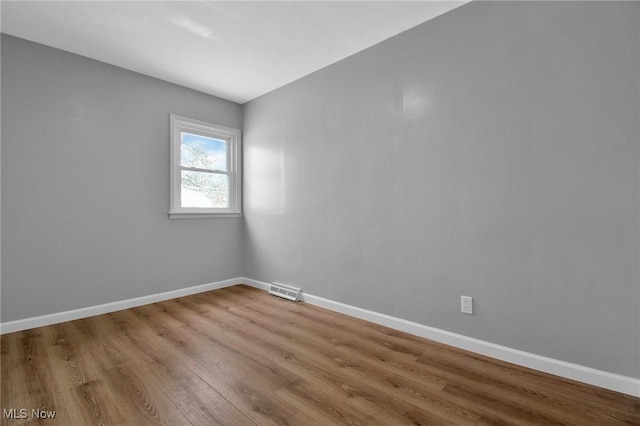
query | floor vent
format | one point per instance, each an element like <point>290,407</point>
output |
<point>285,291</point>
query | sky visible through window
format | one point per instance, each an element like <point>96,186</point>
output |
<point>203,152</point>
<point>201,189</point>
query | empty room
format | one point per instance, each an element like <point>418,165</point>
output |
<point>320,212</point>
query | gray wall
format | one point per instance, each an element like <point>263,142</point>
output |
<point>85,185</point>
<point>491,152</point>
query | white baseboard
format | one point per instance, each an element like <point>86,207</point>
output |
<point>580,373</point>
<point>40,321</point>
<point>256,284</point>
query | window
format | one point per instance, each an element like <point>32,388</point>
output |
<point>205,170</point>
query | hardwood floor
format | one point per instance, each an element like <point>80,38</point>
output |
<point>238,356</point>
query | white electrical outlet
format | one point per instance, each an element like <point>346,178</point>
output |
<point>466,304</point>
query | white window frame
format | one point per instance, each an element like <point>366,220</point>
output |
<point>179,124</point>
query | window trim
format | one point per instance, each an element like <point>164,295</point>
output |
<point>180,124</point>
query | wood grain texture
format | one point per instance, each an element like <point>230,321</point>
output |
<point>238,356</point>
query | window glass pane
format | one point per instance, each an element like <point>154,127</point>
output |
<point>203,152</point>
<point>201,189</point>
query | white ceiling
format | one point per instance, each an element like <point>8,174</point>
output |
<point>237,50</point>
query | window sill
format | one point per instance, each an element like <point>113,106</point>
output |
<point>203,215</point>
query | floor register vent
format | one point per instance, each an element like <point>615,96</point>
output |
<point>285,291</point>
